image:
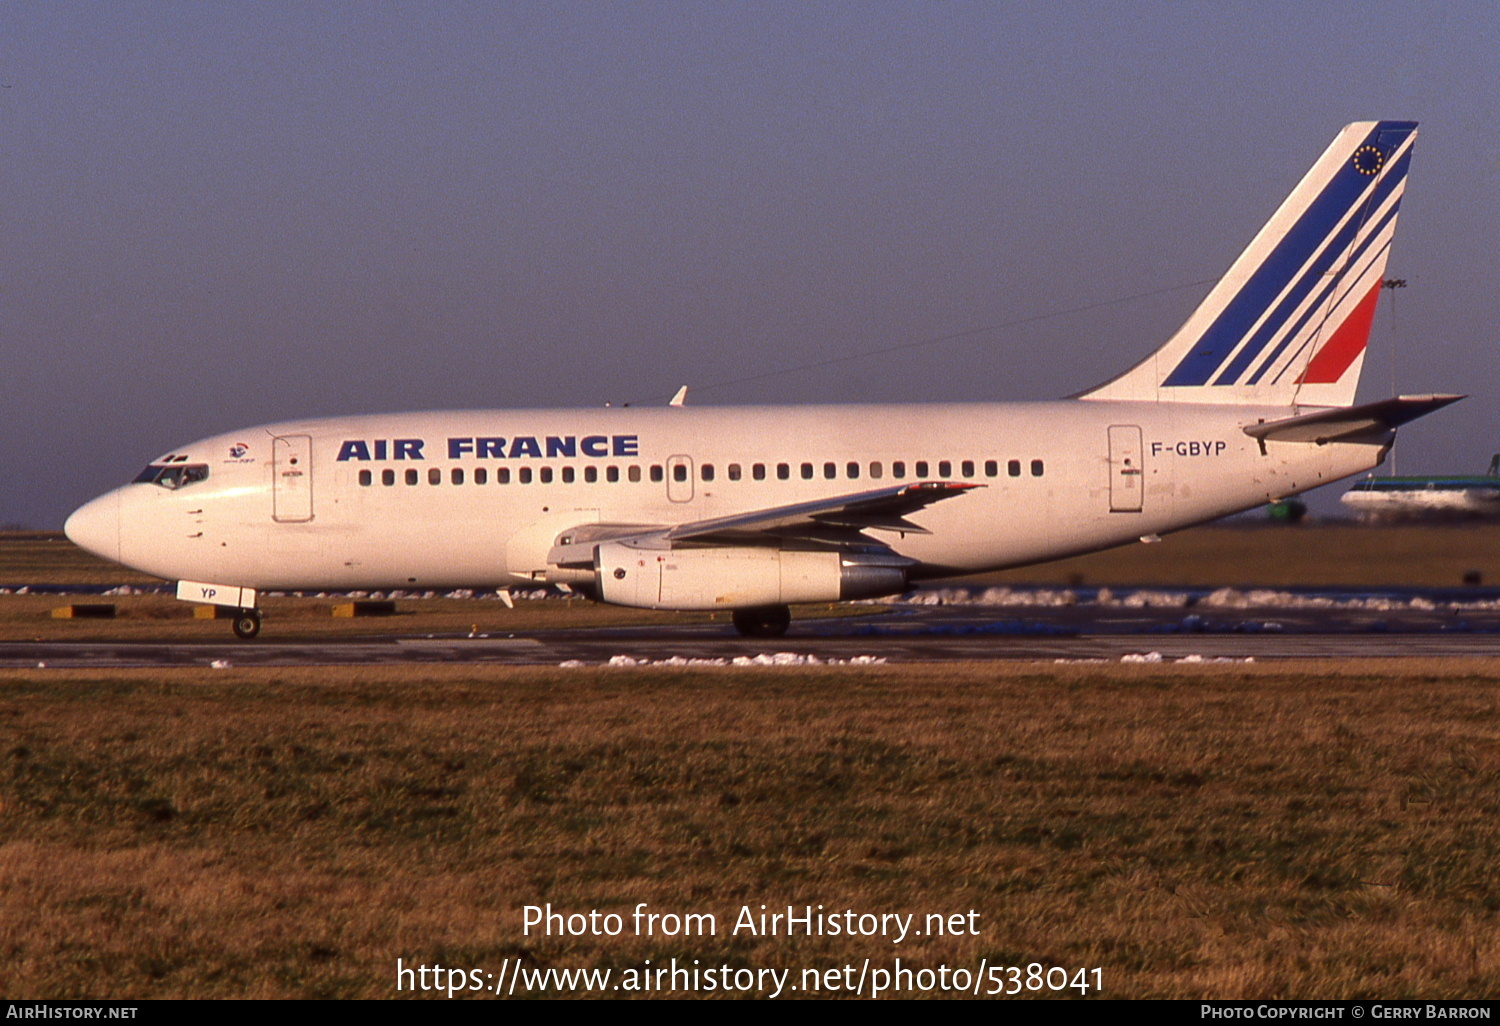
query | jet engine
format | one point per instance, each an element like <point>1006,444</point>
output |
<point>745,577</point>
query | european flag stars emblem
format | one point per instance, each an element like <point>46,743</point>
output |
<point>1368,160</point>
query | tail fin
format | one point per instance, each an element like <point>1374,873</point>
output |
<point>1289,322</point>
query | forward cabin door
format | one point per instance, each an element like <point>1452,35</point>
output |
<point>291,470</point>
<point>1127,479</point>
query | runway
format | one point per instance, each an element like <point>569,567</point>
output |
<point>1309,626</point>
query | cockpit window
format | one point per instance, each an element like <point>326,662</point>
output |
<point>178,475</point>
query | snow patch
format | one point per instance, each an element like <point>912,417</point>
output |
<point>1193,657</point>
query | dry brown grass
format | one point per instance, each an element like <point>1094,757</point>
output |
<point>1341,555</point>
<point>163,618</point>
<point>38,557</point>
<point>1326,831</point>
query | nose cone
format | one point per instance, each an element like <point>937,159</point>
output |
<point>95,527</point>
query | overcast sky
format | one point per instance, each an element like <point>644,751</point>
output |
<point>215,215</point>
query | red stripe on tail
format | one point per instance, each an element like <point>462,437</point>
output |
<point>1346,344</point>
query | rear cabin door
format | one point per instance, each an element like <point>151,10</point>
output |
<point>1127,478</point>
<point>291,489</point>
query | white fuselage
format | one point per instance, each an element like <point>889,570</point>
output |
<point>417,499</point>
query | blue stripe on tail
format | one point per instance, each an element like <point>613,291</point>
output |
<point>1336,250</point>
<point>1290,255</point>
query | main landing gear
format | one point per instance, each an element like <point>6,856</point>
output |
<point>766,622</point>
<point>246,623</point>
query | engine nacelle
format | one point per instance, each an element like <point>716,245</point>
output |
<point>740,577</point>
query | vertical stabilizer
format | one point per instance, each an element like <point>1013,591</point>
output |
<point>1289,322</point>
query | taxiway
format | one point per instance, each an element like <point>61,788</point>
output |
<point>948,628</point>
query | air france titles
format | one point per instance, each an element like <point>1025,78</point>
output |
<point>494,447</point>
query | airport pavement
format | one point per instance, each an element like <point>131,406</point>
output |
<point>1311,626</point>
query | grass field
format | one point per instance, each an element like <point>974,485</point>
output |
<point>1327,831</point>
<point>1316,830</point>
<point>1332,555</point>
<point>41,557</point>
<point>163,618</point>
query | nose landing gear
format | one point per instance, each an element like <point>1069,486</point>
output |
<point>246,623</point>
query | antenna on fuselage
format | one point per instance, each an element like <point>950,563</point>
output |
<point>680,399</point>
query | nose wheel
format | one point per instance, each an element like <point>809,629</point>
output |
<point>246,623</point>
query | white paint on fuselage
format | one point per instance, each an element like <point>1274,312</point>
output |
<point>1197,465</point>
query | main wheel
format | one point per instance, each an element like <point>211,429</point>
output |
<point>246,623</point>
<point>767,622</point>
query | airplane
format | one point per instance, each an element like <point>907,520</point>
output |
<point>753,509</point>
<point>1434,496</point>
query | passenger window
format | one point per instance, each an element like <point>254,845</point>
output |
<point>875,470</point>
<point>807,471</point>
<point>502,475</point>
<point>1013,468</point>
<point>945,469</point>
<point>898,469</point>
<point>852,469</point>
<point>568,474</point>
<point>783,472</point>
<point>991,468</point>
<point>366,478</point>
<point>1036,468</point>
<point>967,467</point>
<point>387,477</point>
<point>411,477</point>
<point>590,474</point>
<point>458,475</point>
<point>921,468</point>
<point>656,472</point>
<point>481,475</point>
<point>679,472</point>
<point>545,475</point>
<point>523,475</point>
<point>707,470</point>
<point>734,472</point>
<point>434,476</point>
<point>830,470</point>
<point>635,472</point>
<point>611,474</point>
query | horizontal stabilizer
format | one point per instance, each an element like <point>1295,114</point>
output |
<point>1350,422</point>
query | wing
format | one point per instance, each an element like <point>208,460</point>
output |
<point>839,520</point>
<point>884,509</point>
